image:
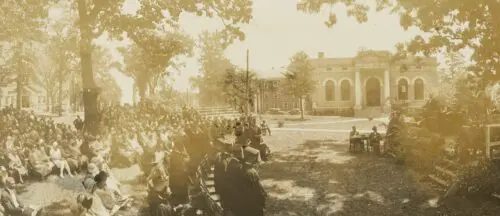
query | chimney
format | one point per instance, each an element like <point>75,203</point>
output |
<point>321,55</point>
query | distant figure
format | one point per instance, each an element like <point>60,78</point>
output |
<point>375,139</point>
<point>265,128</point>
<point>354,139</point>
<point>78,123</point>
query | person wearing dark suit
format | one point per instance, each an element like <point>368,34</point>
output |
<point>11,202</point>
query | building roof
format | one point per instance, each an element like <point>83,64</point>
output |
<point>273,73</point>
<point>372,55</point>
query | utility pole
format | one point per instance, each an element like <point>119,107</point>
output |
<point>248,82</point>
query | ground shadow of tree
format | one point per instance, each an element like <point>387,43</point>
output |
<point>353,184</point>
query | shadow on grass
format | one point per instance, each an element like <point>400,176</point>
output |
<point>321,178</point>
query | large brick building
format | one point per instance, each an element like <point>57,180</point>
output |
<point>360,84</point>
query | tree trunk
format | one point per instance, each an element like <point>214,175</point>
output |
<point>19,94</point>
<point>60,104</point>
<point>301,104</point>
<point>47,101</point>
<point>90,90</point>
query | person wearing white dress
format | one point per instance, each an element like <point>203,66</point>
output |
<point>58,160</point>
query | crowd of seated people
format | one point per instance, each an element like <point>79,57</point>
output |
<point>36,147</point>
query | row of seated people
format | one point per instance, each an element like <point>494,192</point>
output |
<point>361,142</point>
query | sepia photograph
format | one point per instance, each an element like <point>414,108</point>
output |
<point>249,108</point>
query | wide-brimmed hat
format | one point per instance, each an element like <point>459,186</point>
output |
<point>251,155</point>
<point>92,168</point>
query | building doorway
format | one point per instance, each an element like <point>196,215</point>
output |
<point>373,92</point>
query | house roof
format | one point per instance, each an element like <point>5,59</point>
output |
<point>273,73</point>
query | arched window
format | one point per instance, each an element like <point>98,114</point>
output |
<point>345,90</point>
<point>329,90</point>
<point>419,89</point>
<point>402,89</point>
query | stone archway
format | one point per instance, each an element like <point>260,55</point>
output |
<point>372,92</point>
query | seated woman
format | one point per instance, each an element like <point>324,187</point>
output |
<point>101,192</point>
<point>111,181</point>
<point>98,148</point>
<point>73,155</point>
<point>58,160</point>
<point>39,160</point>
<point>16,166</point>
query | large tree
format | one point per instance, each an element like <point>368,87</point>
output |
<point>97,17</point>
<point>214,65</point>
<point>103,65</point>
<point>449,24</point>
<point>238,88</point>
<point>149,64</point>
<point>299,78</point>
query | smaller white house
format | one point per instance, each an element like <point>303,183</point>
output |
<point>34,97</point>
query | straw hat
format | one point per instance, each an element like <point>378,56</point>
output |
<point>92,168</point>
<point>251,155</point>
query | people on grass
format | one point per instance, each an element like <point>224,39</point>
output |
<point>181,135</point>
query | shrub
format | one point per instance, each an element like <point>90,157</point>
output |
<point>281,123</point>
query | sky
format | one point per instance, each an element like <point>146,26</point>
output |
<point>276,32</point>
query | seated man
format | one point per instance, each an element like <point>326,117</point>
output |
<point>11,202</point>
<point>265,128</point>
<point>355,141</point>
<point>375,139</point>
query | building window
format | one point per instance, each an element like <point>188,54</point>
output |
<point>345,68</point>
<point>419,89</point>
<point>329,68</point>
<point>345,90</point>
<point>329,90</point>
<point>402,89</point>
<point>275,83</point>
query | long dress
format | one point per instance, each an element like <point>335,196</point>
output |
<point>16,164</point>
<point>56,157</point>
<point>40,162</point>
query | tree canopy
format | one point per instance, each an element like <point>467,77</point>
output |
<point>299,78</point>
<point>235,90</point>
<point>448,24</point>
<point>214,68</point>
<point>148,63</point>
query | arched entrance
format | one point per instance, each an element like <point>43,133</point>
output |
<point>373,92</point>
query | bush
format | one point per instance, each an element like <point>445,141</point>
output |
<point>281,123</point>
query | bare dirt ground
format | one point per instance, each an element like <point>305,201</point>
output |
<point>311,174</point>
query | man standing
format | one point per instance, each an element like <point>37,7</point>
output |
<point>78,123</point>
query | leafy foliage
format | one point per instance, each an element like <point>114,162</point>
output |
<point>452,25</point>
<point>299,78</point>
<point>103,64</point>
<point>23,20</point>
<point>147,64</point>
<point>235,87</point>
<point>214,68</point>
